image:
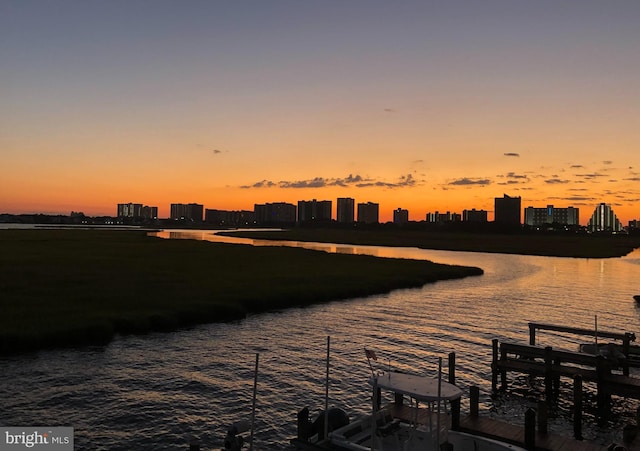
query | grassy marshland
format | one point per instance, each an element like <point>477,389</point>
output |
<point>562,245</point>
<point>66,287</point>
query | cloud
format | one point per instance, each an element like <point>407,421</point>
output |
<point>591,176</point>
<point>576,166</point>
<point>607,162</point>
<point>633,179</point>
<point>261,184</point>
<point>389,110</point>
<point>217,151</point>
<point>317,182</point>
<point>467,181</point>
<point>404,181</point>
<point>511,154</point>
<point>351,180</point>
<point>556,181</point>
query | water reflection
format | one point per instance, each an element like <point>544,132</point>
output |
<point>159,390</point>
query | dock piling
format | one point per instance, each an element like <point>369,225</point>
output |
<point>543,416</point>
<point>577,407</point>
<point>530,429</point>
<point>474,401</point>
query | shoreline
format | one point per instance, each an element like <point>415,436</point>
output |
<point>66,287</point>
<point>544,245</point>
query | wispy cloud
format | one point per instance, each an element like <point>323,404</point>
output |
<point>351,180</point>
<point>511,154</point>
<point>591,176</point>
<point>465,181</point>
<point>556,181</point>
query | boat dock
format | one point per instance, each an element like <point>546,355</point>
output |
<point>510,433</point>
<point>611,378</point>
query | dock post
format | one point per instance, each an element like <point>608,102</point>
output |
<point>548,374</point>
<point>474,401</point>
<point>543,417</point>
<point>577,407</point>
<point>303,424</point>
<point>532,334</point>
<point>494,366</point>
<point>398,398</point>
<point>626,348</point>
<point>604,398</point>
<point>530,429</point>
<point>455,415</point>
<point>452,368</point>
<point>503,372</point>
<point>455,404</point>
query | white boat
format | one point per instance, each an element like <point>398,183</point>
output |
<point>409,427</point>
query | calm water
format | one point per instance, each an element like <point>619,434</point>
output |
<point>160,390</point>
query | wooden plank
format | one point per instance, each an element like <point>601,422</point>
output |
<point>491,428</point>
<point>581,331</point>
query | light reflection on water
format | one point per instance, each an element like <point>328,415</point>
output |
<point>160,390</point>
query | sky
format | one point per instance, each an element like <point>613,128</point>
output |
<point>422,105</point>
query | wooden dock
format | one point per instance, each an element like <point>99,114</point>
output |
<point>488,427</point>
<point>552,364</point>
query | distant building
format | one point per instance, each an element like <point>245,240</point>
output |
<point>438,217</point>
<point>129,210</point>
<point>507,210</point>
<point>275,213</point>
<point>551,215</point>
<point>139,211</point>
<point>368,213</point>
<point>225,218</point>
<point>474,215</point>
<point>190,212</point>
<point>314,210</point>
<point>345,210</point>
<point>604,219</point>
<point>400,216</point>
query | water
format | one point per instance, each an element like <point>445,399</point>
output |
<point>159,391</point>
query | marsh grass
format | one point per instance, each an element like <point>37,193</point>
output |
<point>67,287</point>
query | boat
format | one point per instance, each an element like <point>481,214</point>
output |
<point>609,351</point>
<point>422,424</point>
<point>410,427</point>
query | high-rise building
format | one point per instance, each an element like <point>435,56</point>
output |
<point>368,213</point>
<point>129,210</point>
<point>551,215</point>
<point>132,210</point>
<point>275,213</point>
<point>474,215</point>
<point>236,218</point>
<point>443,217</point>
<point>604,219</point>
<point>314,210</point>
<point>507,210</point>
<point>400,216</point>
<point>191,212</point>
<point>345,210</point>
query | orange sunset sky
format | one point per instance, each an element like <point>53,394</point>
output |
<point>421,105</point>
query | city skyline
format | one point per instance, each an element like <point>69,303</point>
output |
<point>425,107</point>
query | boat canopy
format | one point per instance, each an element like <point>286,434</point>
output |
<point>420,388</point>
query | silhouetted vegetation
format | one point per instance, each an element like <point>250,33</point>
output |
<point>66,287</point>
<point>559,244</point>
